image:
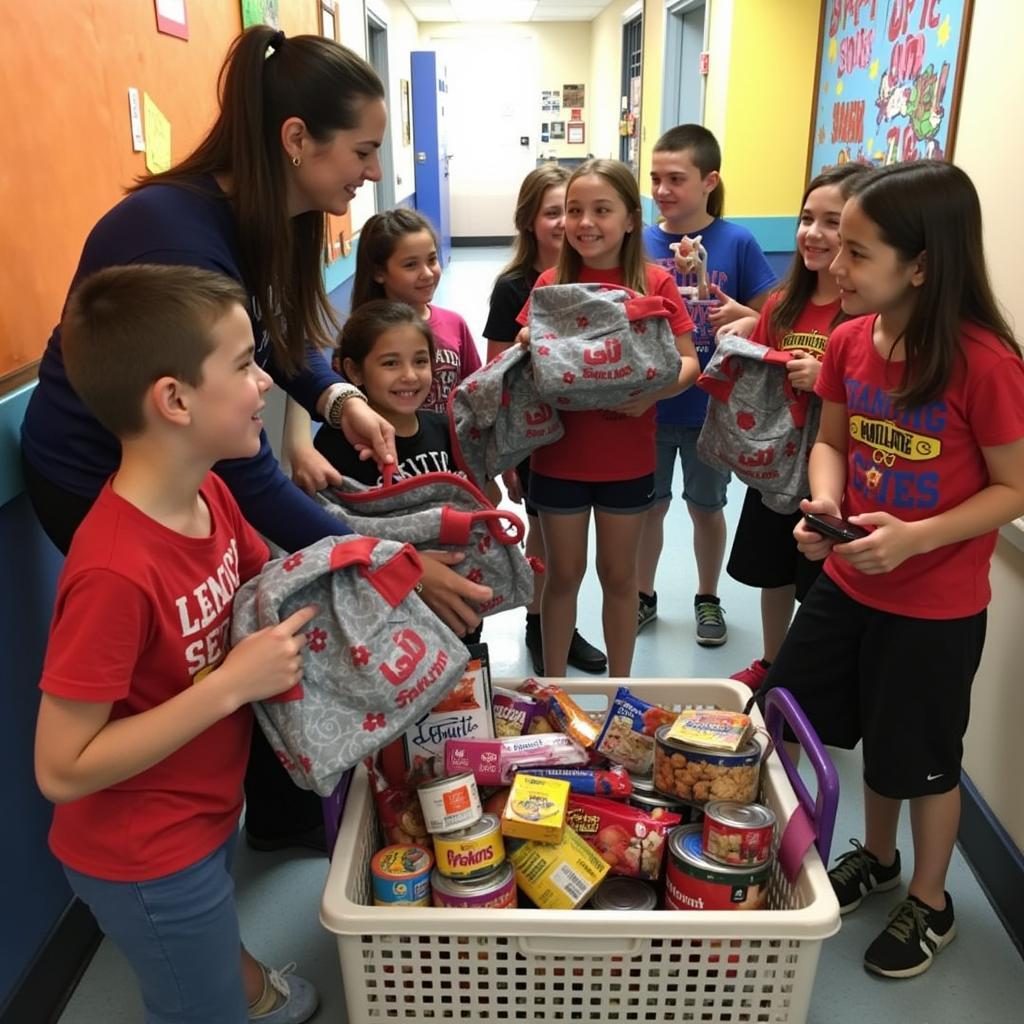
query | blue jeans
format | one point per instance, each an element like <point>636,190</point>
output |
<point>180,934</point>
<point>704,487</point>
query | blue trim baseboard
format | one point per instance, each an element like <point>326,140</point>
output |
<point>995,860</point>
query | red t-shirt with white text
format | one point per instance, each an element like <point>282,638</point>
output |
<point>810,330</point>
<point>141,614</point>
<point>917,463</point>
<point>599,444</point>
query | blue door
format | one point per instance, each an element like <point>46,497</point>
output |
<point>430,144</point>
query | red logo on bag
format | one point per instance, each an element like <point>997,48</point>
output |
<point>412,649</point>
<point>316,639</point>
<point>292,562</point>
<point>762,457</point>
<point>745,420</point>
<point>535,415</point>
<point>581,322</point>
<point>604,353</point>
<point>359,655</point>
<point>543,350</point>
<point>568,376</point>
<point>371,721</point>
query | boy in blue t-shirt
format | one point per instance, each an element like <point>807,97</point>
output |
<point>687,187</point>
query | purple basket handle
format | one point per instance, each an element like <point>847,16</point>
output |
<point>333,807</point>
<point>781,709</point>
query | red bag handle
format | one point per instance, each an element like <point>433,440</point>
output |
<point>644,306</point>
<point>393,580</point>
<point>456,525</point>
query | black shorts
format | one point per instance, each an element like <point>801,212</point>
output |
<point>566,497</point>
<point>523,469</point>
<point>901,684</point>
<point>764,551</point>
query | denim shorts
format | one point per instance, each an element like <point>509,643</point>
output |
<point>180,934</point>
<point>704,487</point>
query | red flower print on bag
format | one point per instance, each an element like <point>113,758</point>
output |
<point>543,350</point>
<point>316,640</point>
<point>568,376</point>
<point>582,322</point>
<point>359,655</point>
<point>377,721</point>
<point>292,562</point>
<point>745,421</point>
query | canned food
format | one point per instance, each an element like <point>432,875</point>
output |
<point>657,803</point>
<point>472,851</point>
<point>695,882</point>
<point>450,804</point>
<point>641,783</point>
<point>496,889</point>
<point>622,893</point>
<point>738,833</point>
<point>401,874</point>
<point>699,775</point>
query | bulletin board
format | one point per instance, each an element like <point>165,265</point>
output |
<point>888,81</point>
<point>66,149</point>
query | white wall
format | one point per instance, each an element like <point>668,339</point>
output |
<point>994,82</point>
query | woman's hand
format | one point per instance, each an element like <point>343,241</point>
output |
<point>803,371</point>
<point>727,310</point>
<point>369,433</point>
<point>812,544</point>
<point>311,471</point>
<point>448,594</point>
<point>891,543</point>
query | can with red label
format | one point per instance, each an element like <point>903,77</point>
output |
<point>496,890</point>
<point>695,882</point>
<point>451,803</point>
<point>739,834</point>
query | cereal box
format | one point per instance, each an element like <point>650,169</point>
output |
<point>711,728</point>
<point>535,809</point>
<point>560,877</point>
<point>515,713</point>
<point>627,737</point>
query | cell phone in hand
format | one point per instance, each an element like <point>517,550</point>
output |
<point>834,527</point>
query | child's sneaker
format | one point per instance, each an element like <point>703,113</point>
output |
<point>858,873</point>
<point>710,616</point>
<point>914,935</point>
<point>289,999</point>
<point>753,675</point>
<point>647,611</point>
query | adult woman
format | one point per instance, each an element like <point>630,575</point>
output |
<point>298,131</point>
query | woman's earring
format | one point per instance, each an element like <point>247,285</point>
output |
<point>296,160</point>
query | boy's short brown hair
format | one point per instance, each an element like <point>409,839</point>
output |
<point>126,327</point>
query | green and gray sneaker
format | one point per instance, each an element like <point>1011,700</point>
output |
<point>858,874</point>
<point>914,935</point>
<point>710,616</point>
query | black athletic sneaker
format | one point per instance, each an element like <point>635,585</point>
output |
<point>647,610</point>
<point>710,616</point>
<point>534,644</point>
<point>858,873</point>
<point>914,935</point>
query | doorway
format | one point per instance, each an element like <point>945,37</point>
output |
<point>377,47</point>
<point>629,116</point>
<point>685,40</point>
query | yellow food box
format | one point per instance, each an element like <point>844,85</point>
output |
<point>535,808</point>
<point>560,877</point>
<point>711,728</point>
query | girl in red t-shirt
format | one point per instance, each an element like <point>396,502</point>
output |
<point>921,443</point>
<point>797,318</point>
<point>605,460</point>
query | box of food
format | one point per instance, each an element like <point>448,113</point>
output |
<point>558,877</point>
<point>493,762</point>
<point>711,728</point>
<point>535,808</point>
<point>627,736</point>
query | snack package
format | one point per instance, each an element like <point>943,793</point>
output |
<point>398,810</point>
<point>535,809</point>
<point>631,840</point>
<point>711,728</point>
<point>515,713</point>
<point>493,762</point>
<point>564,714</point>
<point>611,782</point>
<point>627,737</point>
<point>558,877</point>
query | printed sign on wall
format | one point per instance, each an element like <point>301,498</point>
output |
<point>888,82</point>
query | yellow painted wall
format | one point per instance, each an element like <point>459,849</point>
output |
<point>653,75</point>
<point>606,80</point>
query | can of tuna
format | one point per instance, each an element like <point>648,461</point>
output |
<point>695,882</point>
<point>622,893</point>
<point>738,833</point>
<point>401,875</point>
<point>472,851</point>
<point>496,890</point>
<point>450,804</point>
<point>657,803</point>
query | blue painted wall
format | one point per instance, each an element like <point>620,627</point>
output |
<point>33,892</point>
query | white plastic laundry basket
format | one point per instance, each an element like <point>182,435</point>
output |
<point>427,964</point>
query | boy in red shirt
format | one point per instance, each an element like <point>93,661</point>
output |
<point>144,723</point>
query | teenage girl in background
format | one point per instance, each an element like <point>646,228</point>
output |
<point>921,442</point>
<point>397,260</point>
<point>540,226</point>
<point>605,461</point>
<point>798,318</point>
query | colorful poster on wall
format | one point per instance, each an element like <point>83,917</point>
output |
<point>158,137</point>
<point>172,18</point>
<point>572,95</point>
<point>260,12</point>
<point>888,82</point>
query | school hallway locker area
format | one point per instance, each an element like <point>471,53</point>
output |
<point>479,93</point>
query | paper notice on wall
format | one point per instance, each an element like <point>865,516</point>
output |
<point>158,137</point>
<point>135,113</point>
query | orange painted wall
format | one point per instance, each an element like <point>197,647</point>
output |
<point>65,149</point>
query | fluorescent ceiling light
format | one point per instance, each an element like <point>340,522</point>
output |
<point>483,10</point>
